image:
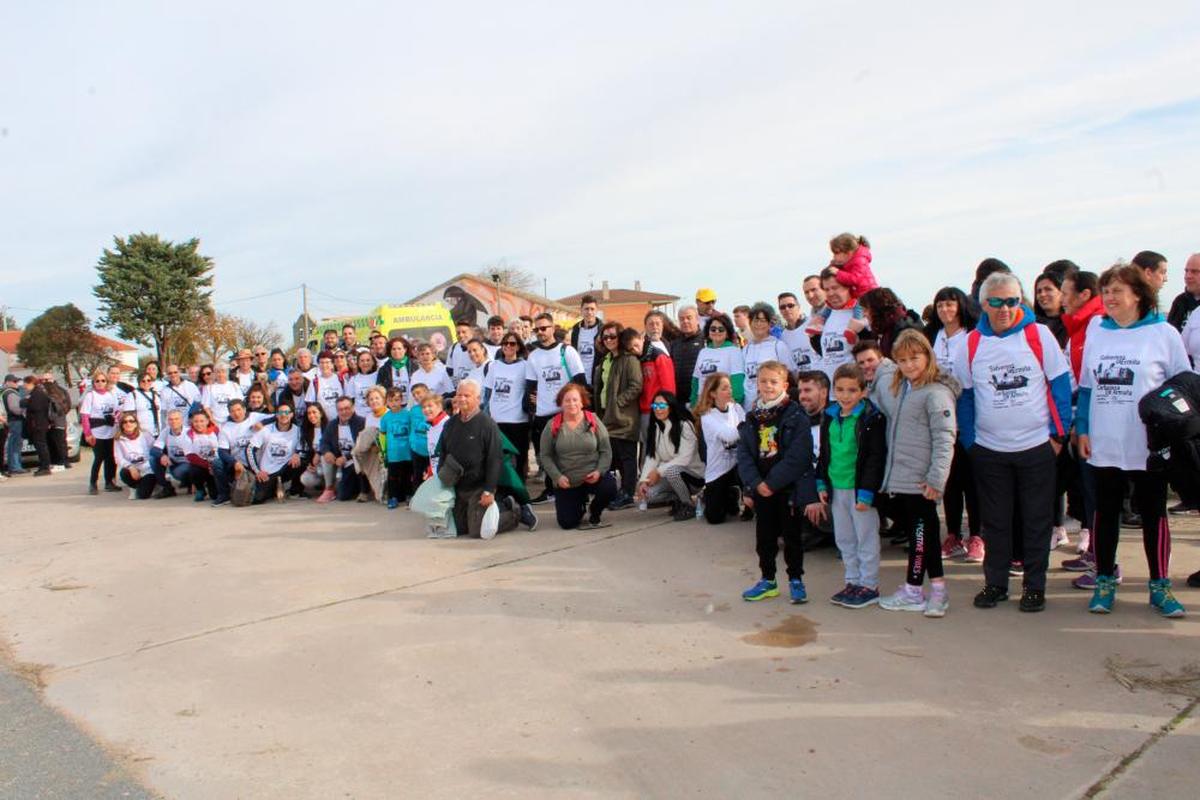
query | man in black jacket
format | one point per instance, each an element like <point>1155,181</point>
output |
<point>470,461</point>
<point>686,348</point>
<point>37,421</point>
<point>337,448</point>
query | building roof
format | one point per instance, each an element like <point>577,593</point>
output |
<point>620,296</point>
<point>504,287</point>
<point>10,339</point>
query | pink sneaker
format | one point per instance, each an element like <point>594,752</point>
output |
<point>975,550</point>
<point>326,496</point>
<point>953,547</point>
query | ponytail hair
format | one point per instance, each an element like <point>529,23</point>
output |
<point>847,243</point>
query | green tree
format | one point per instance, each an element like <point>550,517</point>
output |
<point>151,288</point>
<point>61,338</point>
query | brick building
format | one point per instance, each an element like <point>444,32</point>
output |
<point>626,306</point>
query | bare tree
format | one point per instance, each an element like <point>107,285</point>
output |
<point>249,334</point>
<point>512,275</point>
<point>207,338</point>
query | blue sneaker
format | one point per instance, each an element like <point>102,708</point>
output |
<point>861,597</point>
<point>841,596</point>
<point>799,595</point>
<point>1104,596</point>
<point>393,504</point>
<point>761,591</point>
<point>198,497</point>
<point>1163,599</point>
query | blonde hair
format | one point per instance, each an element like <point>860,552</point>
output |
<point>913,342</point>
<point>706,400</point>
<point>121,423</point>
<point>379,390</point>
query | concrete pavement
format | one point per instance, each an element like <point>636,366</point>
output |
<point>297,651</point>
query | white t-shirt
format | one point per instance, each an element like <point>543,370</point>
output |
<point>216,396</point>
<point>437,380</point>
<point>346,444</point>
<point>945,350</point>
<point>204,445</point>
<point>326,391</point>
<point>357,387</point>
<point>400,380</point>
<point>799,344</point>
<point>721,440</point>
<point>236,436</point>
<point>273,448</point>
<point>587,349</point>
<point>835,349</point>
<point>1011,404</point>
<point>177,398</point>
<point>300,402</point>
<point>99,405</point>
<point>1120,366</point>
<point>458,363</point>
<point>243,379</point>
<point>506,382</point>
<point>552,368</point>
<point>1191,338</point>
<point>755,353</point>
<point>143,404</point>
<point>431,441</point>
<point>174,446</point>
<point>716,359</point>
<point>492,350</point>
<point>133,452</point>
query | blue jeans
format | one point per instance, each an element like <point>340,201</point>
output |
<point>13,446</point>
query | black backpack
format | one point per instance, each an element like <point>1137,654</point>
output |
<point>1171,414</point>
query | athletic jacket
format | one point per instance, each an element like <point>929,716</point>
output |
<point>870,434</point>
<point>856,274</point>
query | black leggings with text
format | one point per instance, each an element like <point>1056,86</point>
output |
<point>924,537</point>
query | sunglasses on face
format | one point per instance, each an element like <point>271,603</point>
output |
<point>100,380</point>
<point>509,344</point>
<point>610,336</point>
<point>541,328</point>
<point>786,306</point>
<point>129,422</point>
<point>659,406</point>
<point>716,329</point>
<point>283,412</point>
<point>1002,302</point>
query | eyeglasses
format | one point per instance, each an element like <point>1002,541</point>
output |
<point>785,306</point>
<point>129,422</point>
<point>610,336</point>
<point>715,329</point>
<point>1001,302</point>
<point>541,328</point>
<point>659,406</point>
<point>100,380</point>
<point>510,344</point>
<point>283,412</point>
<point>206,373</point>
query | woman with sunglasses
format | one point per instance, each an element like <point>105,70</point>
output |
<point>673,469</point>
<point>1013,417</point>
<point>658,374</point>
<point>131,451</point>
<point>761,347</point>
<point>720,354</point>
<point>341,364</point>
<point>143,402</point>
<point>274,457</point>
<point>617,387</point>
<point>503,394</point>
<point>98,414</point>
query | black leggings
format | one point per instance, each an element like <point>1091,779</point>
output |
<point>518,434</point>
<point>144,486</point>
<point>1150,495</point>
<point>102,453</point>
<point>960,486</point>
<point>399,479</point>
<point>774,518</point>
<point>924,537</point>
<point>420,463</point>
<point>624,460</point>
<point>721,497</point>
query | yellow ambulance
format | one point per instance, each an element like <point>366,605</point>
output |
<point>425,323</point>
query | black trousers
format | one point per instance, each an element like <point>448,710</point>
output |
<point>57,441</point>
<point>399,479</point>
<point>518,434</point>
<point>420,463</point>
<point>624,458</point>
<point>1000,479</point>
<point>1150,494</point>
<point>102,455</point>
<point>961,493</point>
<point>924,537</point>
<point>144,485</point>
<point>571,504</point>
<point>721,497</point>
<point>38,440</point>
<point>4,448</point>
<point>774,518</point>
<point>266,489</point>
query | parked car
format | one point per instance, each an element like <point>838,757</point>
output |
<point>74,437</point>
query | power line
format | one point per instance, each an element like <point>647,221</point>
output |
<point>258,296</point>
<point>342,299</point>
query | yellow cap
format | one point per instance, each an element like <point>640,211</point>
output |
<point>706,296</point>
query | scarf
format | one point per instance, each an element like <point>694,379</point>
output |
<point>399,364</point>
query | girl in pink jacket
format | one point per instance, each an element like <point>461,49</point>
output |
<point>852,258</point>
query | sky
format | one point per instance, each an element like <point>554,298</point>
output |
<point>373,150</point>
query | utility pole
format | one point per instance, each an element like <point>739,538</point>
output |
<point>4,318</point>
<point>304,289</point>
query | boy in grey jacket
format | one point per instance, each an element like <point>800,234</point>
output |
<point>918,401</point>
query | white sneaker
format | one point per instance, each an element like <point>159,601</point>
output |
<point>1085,541</point>
<point>906,598</point>
<point>1059,538</point>
<point>133,494</point>
<point>938,604</point>
<point>57,468</point>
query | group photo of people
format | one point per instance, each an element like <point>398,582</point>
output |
<point>994,423</point>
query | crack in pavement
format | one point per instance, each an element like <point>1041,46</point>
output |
<point>343,600</point>
<point>1101,786</point>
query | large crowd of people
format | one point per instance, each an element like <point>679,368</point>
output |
<point>836,413</point>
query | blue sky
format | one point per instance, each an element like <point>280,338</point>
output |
<point>373,150</point>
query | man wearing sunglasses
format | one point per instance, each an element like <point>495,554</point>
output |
<point>177,395</point>
<point>274,457</point>
<point>793,335</point>
<point>1013,417</point>
<point>549,366</point>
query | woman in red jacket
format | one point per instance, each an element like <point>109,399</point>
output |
<point>658,374</point>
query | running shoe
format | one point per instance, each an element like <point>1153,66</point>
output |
<point>1085,563</point>
<point>1085,541</point>
<point>198,497</point>
<point>861,597</point>
<point>393,504</point>
<point>544,497</point>
<point>1194,580</point>
<point>1087,581</point>
<point>1104,596</point>
<point>974,550</point>
<point>621,502</point>
<point>1180,509</point>
<point>1131,520</point>
<point>990,596</point>
<point>1033,600</point>
<point>1016,569</point>
<point>111,487</point>
<point>906,598</point>
<point>1059,538</point>
<point>953,547</point>
<point>528,518</point>
<point>938,603</point>
<point>1163,599</point>
<point>220,501</point>
<point>761,591</point>
<point>798,593</point>
<point>838,598</point>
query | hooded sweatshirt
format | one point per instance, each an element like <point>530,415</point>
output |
<point>921,428</point>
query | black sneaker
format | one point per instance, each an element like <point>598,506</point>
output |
<point>93,490</point>
<point>1131,520</point>
<point>41,472</point>
<point>620,503</point>
<point>1182,509</point>
<point>111,487</point>
<point>990,596</point>
<point>682,513</point>
<point>899,538</point>
<point>544,497</point>
<point>1194,580</point>
<point>528,518</point>
<point>1033,600</point>
<point>220,501</point>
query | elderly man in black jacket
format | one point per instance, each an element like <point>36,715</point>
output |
<point>471,460</point>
